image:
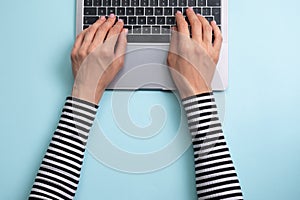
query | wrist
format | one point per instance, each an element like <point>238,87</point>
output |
<point>87,94</point>
<point>188,92</point>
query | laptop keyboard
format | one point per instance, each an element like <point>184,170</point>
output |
<point>148,20</point>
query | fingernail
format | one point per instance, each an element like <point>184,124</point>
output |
<point>178,11</point>
<point>102,17</point>
<point>112,15</point>
<point>120,20</point>
<point>125,30</point>
<point>214,22</point>
<point>198,14</point>
<point>191,8</point>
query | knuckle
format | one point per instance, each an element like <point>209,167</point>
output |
<point>106,52</point>
<point>82,53</point>
<point>105,26</point>
<point>121,62</point>
<point>182,22</point>
<point>73,54</point>
<point>114,31</point>
<point>91,30</point>
<point>208,27</point>
<point>194,22</point>
<point>221,38</point>
<point>90,50</point>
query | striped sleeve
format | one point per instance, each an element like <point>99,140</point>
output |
<point>59,173</point>
<point>214,171</point>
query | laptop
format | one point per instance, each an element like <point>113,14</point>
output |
<point>149,23</point>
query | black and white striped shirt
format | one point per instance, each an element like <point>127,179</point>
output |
<point>59,173</point>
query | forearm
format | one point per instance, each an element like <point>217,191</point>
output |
<point>59,173</point>
<point>214,170</point>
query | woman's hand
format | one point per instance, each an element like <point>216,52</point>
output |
<point>192,61</point>
<point>97,56</point>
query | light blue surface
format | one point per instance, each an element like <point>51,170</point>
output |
<point>262,104</point>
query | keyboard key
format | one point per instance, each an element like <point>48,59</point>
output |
<point>166,29</point>
<point>197,10</point>
<point>134,2</point>
<point>90,20</point>
<point>101,11</point>
<point>139,11</point>
<point>158,11</point>
<point>182,2</point>
<point>85,27</point>
<point>148,38</point>
<point>106,2</point>
<point>177,9</point>
<point>167,11</point>
<point>191,2</point>
<point>161,20</point>
<point>141,20</point>
<point>136,29</point>
<point>214,2</point>
<point>110,11</point>
<point>144,3</point>
<point>146,29</point>
<point>132,20</point>
<point>129,11</point>
<point>201,3</point>
<point>90,11</point>
<point>116,3</point>
<point>129,29</point>
<point>124,19</point>
<point>163,3</point>
<point>216,12</point>
<point>153,2</point>
<point>120,11</point>
<point>87,2</point>
<point>149,11</point>
<point>171,20</point>
<point>151,20</point>
<point>125,2</point>
<point>206,11</point>
<point>209,19</point>
<point>155,29</point>
<point>173,2</point>
<point>97,3</point>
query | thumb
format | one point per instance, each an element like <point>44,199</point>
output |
<point>173,48</point>
<point>121,48</point>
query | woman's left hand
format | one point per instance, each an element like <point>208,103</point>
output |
<point>97,56</point>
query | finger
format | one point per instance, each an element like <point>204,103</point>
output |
<point>182,25</point>
<point>172,48</point>
<point>121,49</point>
<point>90,32</point>
<point>196,25</point>
<point>113,34</point>
<point>206,30</point>
<point>218,36</point>
<point>103,30</point>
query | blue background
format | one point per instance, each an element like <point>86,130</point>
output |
<point>262,103</point>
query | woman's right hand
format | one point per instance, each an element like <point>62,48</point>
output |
<point>192,61</point>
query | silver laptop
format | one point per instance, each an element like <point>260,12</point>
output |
<point>149,23</point>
